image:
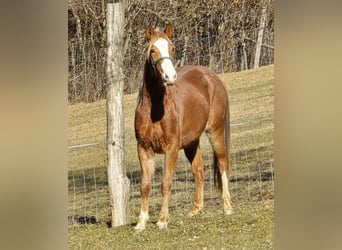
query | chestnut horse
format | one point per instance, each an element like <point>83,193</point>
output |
<point>174,107</point>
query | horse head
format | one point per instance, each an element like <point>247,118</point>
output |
<point>161,53</point>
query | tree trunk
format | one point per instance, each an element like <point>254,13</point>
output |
<point>185,50</point>
<point>260,36</point>
<point>244,53</point>
<point>117,180</point>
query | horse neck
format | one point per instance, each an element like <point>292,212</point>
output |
<point>153,93</point>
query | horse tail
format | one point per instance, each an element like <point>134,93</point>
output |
<point>227,137</point>
<point>217,174</point>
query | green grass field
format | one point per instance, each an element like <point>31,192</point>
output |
<point>251,96</point>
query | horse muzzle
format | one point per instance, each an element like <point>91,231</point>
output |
<point>169,79</point>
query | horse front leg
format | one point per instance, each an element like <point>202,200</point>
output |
<point>169,169</point>
<point>147,171</point>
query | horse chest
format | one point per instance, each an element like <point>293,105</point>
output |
<point>151,135</point>
<point>157,128</point>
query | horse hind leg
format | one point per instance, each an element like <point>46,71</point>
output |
<point>227,206</point>
<point>193,154</point>
<point>221,164</point>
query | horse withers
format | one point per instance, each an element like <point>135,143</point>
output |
<point>174,107</point>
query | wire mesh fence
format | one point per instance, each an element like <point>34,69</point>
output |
<point>251,171</point>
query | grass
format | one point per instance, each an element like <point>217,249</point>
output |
<point>251,227</point>
<point>251,96</point>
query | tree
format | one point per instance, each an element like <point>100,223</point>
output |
<point>260,36</point>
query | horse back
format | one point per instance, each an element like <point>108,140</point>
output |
<point>203,87</point>
<point>202,79</point>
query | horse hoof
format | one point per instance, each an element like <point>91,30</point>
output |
<point>139,228</point>
<point>162,225</point>
<point>229,211</point>
<point>195,210</point>
<point>193,213</point>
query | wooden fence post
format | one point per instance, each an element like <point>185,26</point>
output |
<point>117,179</point>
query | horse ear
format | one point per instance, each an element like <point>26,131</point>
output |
<point>169,30</point>
<point>149,31</point>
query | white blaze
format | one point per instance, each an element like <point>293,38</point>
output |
<point>169,74</point>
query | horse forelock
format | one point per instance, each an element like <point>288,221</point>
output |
<point>158,34</point>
